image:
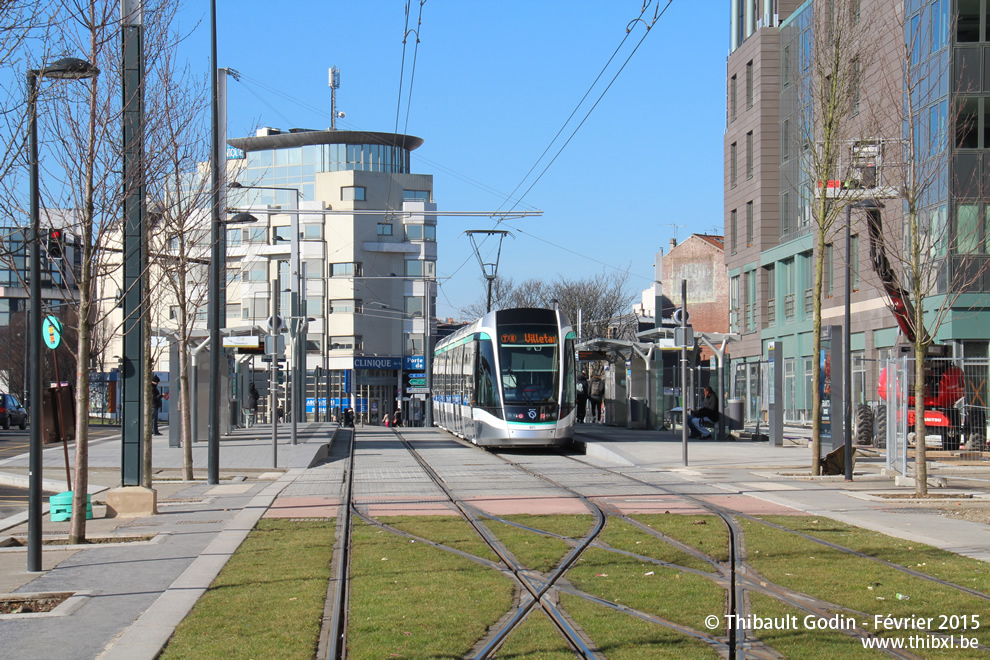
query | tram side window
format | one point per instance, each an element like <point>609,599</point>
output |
<point>470,349</point>
<point>570,383</point>
<point>485,375</point>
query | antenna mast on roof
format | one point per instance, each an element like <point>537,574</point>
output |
<point>334,85</point>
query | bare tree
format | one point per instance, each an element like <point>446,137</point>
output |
<point>86,144</point>
<point>835,45</point>
<point>180,245</point>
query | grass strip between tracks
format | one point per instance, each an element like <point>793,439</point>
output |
<point>869,587</point>
<point>267,602</point>
<point>412,600</point>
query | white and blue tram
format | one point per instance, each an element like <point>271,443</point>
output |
<point>507,379</point>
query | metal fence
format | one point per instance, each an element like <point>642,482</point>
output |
<point>955,419</point>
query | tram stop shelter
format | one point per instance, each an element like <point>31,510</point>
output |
<point>643,376</point>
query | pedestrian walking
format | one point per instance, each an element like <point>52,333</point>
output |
<point>397,417</point>
<point>156,404</point>
<point>252,406</point>
<point>596,395</point>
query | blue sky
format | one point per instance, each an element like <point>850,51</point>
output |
<point>494,82</point>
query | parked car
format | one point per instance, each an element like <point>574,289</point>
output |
<point>12,412</point>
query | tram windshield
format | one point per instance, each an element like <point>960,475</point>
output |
<point>529,362</point>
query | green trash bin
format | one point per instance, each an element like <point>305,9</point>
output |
<point>61,507</point>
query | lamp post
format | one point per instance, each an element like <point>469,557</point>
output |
<point>69,68</point>
<point>868,205</point>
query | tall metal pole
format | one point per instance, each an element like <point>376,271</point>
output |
<point>684,374</point>
<point>135,254</point>
<point>216,257</point>
<point>34,324</point>
<point>273,383</point>
<point>428,351</point>
<point>847,356</point>
<point>299,345</point>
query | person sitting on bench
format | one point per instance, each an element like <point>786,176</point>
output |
<point>707,411</point>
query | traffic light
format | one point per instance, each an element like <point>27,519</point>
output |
<point>55,238</point>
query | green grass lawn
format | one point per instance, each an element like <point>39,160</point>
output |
<point>267,602</point>
<point>415,601</point>
<point>859,584</point>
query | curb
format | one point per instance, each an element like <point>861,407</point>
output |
<point>148,635</point>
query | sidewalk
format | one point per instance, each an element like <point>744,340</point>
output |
<point>142,589</point>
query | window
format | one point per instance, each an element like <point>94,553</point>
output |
<point>254,272</point>
<point>785,140</point>
<point>732,164</point>
<point>344,343</point>
<point>417,268</point>
<point>751,300</point>
<point>969,232</point>
<point>414,344</point>
<point>733,239</point>
<point>255,235</point>
<point>750,230</point>
<point>749,155</point>
<point>344,307</point>
<point>967,123</point>
<point>734,304</point>
<point>233,237</point>
<point>415,195</point>
<point>414,306</point>
<point>749,84</point>
<point>312,269</point>
<point>312,231</point>
<point>790,287</point>
<point>785,62</point>
<point>173,312</point>
<point>314,343</point>
<point>732,98</point>
<point>282,234</point>
<point>346,269</point>
<point>352,193</point>
<point>968,21</point>
<point>421,233</point>
<point>384,229</point>
<point>769,274</point>
<point>254,309</point>
<point>827,272</point>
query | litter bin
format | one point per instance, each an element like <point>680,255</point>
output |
<point>637,413</point>
<point>734,414</point>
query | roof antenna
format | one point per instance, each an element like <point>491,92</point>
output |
<point>334,86</point>
<point>489,270</point>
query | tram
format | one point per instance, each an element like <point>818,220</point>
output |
<point>507,380</point>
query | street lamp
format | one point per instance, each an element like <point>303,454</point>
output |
<point>866,205</point>
<point>69,68</point>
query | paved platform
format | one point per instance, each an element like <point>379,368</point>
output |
<point>130,596</point>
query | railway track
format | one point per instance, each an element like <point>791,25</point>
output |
<point>734,574</point>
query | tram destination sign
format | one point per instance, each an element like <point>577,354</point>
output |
<point>529,338</point>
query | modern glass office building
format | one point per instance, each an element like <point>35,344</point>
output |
<point>366,259</point>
